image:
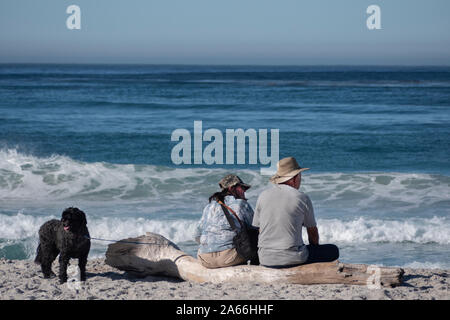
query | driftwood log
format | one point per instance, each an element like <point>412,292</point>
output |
<point>152,254</point>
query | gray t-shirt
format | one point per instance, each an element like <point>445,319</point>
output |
<point>280,213</point>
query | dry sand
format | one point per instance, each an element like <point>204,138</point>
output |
<point>22,279</point>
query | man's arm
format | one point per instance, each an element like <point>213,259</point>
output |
<point>313,235</point>
<point>310,221</point>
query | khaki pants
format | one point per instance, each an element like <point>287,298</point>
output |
<point>220,259</point>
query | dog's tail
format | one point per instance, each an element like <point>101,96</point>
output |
<point>37,260</point>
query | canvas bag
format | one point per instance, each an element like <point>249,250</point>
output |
<point>246,239</point>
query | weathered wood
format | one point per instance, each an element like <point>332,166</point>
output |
<point>152,254</point>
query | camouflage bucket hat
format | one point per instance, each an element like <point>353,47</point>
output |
<point>232,180</point>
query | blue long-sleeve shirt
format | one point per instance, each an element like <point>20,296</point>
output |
<point>214,230</point>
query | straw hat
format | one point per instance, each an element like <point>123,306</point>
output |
<point>287,168</point>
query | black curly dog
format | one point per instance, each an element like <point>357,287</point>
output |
<point>68,237</point>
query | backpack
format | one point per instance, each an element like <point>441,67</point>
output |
<point>246,240</point>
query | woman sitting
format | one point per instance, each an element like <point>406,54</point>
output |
<point>214,233</point>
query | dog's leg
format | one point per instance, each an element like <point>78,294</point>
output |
<point>41,259</point>
<point>82,265</point>
<point>38,258</point>
<point>63,263</point>
<point>47,270</point>
<point>47,254</point>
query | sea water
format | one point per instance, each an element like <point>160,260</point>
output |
<point>98,137</point>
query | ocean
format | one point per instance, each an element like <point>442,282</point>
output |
<point>98,137</point>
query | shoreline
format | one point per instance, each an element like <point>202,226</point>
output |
<point>23,280</point>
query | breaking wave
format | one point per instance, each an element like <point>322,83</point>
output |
<point>29,178</point>
<point>23,229</point>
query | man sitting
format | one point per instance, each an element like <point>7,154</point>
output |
<point>280,213</point>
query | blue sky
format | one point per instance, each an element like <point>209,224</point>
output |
<point>284,32</point>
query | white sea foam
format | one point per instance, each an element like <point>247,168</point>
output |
<point>22,228</point>
<point>361,230</point>
<point>390,191</point>
<point>60,178</point>
<point>19,232</point>
<point>366,230</point>
<point>372,207</point>
<point>120,228</point>
<point>25,177</point>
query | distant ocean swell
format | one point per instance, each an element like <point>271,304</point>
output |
<point>73,81</point>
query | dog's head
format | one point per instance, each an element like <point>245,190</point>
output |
<point>73,219</point>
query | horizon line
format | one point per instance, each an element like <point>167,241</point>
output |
<point>223,64</point>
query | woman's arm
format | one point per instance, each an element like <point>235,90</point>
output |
<point>200,225</point>
<point>198,233</point>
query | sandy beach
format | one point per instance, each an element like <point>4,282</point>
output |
<point>23,280</point>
